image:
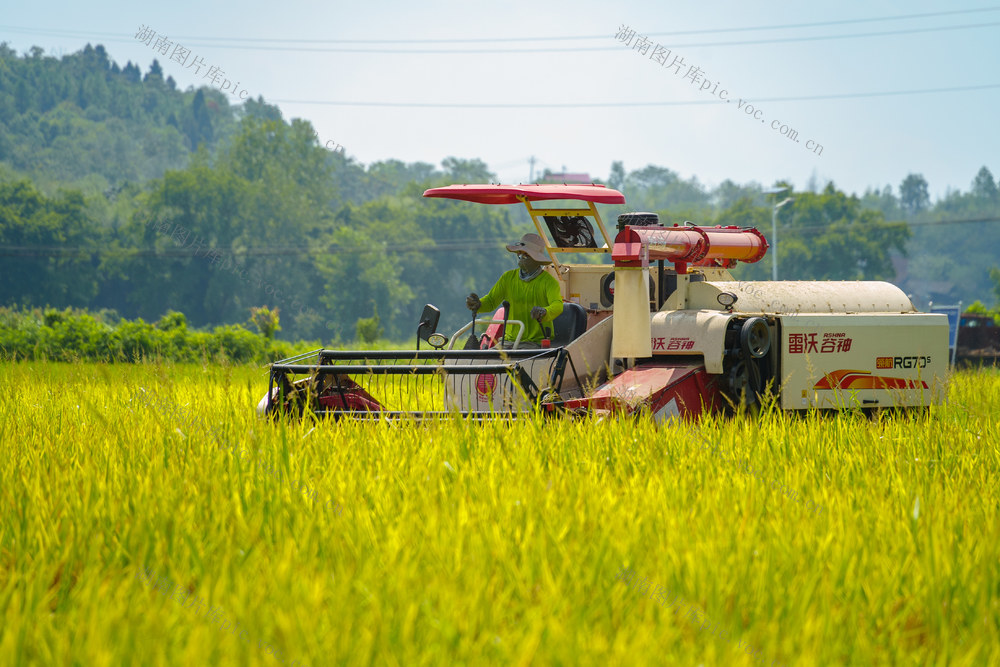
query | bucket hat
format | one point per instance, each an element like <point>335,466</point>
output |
<point>532,246</point>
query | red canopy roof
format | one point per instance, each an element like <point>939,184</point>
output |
<point>507,194</point>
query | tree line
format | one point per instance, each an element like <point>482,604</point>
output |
<point>120,192</point>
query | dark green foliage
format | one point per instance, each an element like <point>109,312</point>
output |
<point>266,321</point>
<point>172,321</point>
<point>825,236</point>
<point>981,309</point>
<point>913,194</point>
<point>662,190</point>
<point>949,260</point>
<point>119,192</point>
<point>983,187</point>
<point>29,221</point>
<point>76,335</point>
<point>368,328</point>
<point>81,118</point>
<point>198,127</point>
<point>616,179</point>
<point>159,227</point>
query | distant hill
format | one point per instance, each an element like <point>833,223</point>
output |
<point>83,119</point>
<point>119,191</point>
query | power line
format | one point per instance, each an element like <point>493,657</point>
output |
<point>783,40</point>
<point>791,228</point>
<point>818,38</point>
<point>949,222</point>
<point>785,26</point>
<point>823,23</point>
<point>441,246</point>
<point>171,253</point>
<point>673,103</point>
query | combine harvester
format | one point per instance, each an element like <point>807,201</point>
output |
<point>666,330</point>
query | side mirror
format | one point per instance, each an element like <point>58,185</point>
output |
<point>428,323</point>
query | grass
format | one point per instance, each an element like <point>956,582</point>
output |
<point>458,543</point>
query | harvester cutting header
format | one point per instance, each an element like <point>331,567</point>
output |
<point>664,329</point>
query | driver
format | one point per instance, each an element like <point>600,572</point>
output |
<point>532,292</point>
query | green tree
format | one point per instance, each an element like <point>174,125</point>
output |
<point>984,187</point>
<point>199,124</point>
<point>266,320</point>
<point>744,213</point>
<point>155,72</point>
<point>467,171</point>
<point>616,179</point>
<point>913,195</point>
<point>359,274</point>
<point>951,262</point>
<point>823,236</point>
<point>190,220</point>
<point>51,240</point>
<point>368,328</point>
<point>659,189</point>
<point>728,193</point>
<point>883,200</point>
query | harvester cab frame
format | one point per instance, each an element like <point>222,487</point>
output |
<point>663,329</point>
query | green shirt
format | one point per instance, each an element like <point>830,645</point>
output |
<point>542,290</point>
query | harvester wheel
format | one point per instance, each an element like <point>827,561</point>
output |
<point>755,337</point>
<point>739,382</point>
<point>744,382</point>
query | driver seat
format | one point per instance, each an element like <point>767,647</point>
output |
<point>569,324</point>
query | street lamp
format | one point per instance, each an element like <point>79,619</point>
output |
<point>774,229</point>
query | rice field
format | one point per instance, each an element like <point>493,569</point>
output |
<point>149,518</point>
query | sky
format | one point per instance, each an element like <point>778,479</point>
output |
<point>566,85</point>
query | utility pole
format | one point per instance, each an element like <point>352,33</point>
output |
<point>774,228</point>
<point>774,235</point>
<point>531,175</point>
